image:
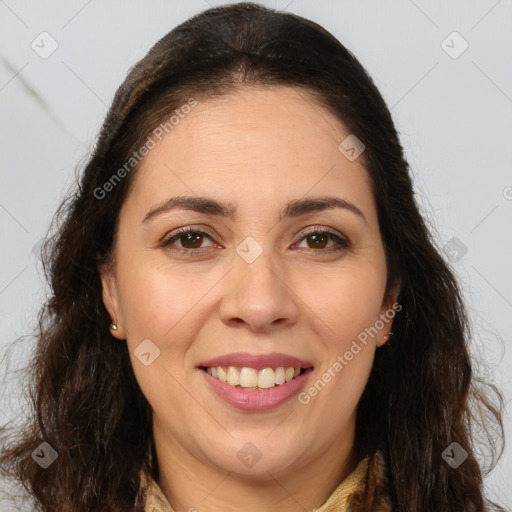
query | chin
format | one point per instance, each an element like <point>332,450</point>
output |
<point>254,460</point>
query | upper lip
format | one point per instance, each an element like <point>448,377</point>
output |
<point>256,361</point>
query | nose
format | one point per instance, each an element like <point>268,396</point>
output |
<point>259,296</point>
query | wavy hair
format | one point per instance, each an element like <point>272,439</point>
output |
<point>422,394</point>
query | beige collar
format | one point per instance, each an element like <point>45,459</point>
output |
<point>337,501</point>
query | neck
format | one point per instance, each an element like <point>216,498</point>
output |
<point>190,484</point>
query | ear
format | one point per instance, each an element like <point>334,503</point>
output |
<point>390,307</point>
<point>111,300</point>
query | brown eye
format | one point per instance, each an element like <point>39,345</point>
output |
<point>190,240</point>
<point>318,240</point>
<point>193,238</point>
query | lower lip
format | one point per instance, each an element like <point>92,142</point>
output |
<point>256,400</point>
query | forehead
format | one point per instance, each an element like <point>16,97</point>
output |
<point>259,143</point>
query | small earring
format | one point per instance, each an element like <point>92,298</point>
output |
<point>387,336</point>
<point>113,326</point>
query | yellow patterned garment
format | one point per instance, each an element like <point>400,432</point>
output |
<point>337,501</point>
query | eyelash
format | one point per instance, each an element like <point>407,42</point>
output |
<point>343,244</point>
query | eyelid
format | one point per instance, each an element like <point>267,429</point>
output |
<point>175,233</point>
<point>321,230</point>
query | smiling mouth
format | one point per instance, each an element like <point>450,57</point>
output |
<point>251,378</point>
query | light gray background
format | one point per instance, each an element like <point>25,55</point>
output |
<point>454,116</point>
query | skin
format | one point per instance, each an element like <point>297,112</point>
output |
<point>257,149</point>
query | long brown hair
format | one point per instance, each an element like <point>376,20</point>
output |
<point>421,395</point>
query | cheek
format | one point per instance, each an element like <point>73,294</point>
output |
<point>348,301</point>
<point>154,299</point>
<point>159,304</point>
<point>164,305</point>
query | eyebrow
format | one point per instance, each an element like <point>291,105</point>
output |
<point>210,206</point>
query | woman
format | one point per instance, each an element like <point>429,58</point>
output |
<point>248,311</point>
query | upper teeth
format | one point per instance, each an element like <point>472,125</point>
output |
<point>251,378</point>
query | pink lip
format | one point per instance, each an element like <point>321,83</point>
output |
<point>256,400</point>
<point>258,362</point>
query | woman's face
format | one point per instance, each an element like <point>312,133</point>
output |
<point>256,290</point>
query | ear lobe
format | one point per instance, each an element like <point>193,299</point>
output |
<point>389,309</point>
<point>110,300</point>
